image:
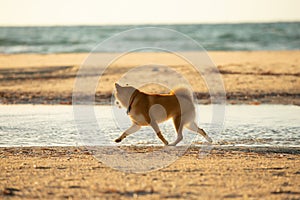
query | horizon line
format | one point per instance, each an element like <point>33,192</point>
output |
<point>149,24</point>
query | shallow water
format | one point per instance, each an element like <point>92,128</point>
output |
<point>244,125</point>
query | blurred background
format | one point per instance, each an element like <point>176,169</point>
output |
<point>35,26</point>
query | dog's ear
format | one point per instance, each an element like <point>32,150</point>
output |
<point>117,86</point>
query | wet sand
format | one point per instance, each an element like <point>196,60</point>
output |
<point>251,77</point>
<point>72,173</point>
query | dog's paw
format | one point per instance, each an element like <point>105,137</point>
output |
<point>209,139</point>
<point>118,140</point>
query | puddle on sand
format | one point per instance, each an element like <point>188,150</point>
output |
<point>53,125</point>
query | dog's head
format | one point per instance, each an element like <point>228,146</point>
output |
<point>123,94</point>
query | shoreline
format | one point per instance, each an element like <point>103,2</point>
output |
<point>218,148</point>
<point>23,98</point>
<point>71,172</point>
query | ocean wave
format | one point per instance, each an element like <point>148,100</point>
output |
<point>224,37</point>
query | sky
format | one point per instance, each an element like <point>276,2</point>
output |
<point>114,12</point>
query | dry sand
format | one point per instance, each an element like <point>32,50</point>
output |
<point>72,173</point>
<point>249,77</point>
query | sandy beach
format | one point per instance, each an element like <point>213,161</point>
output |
<point>72,173</point>
<point>64,134</point>
<point>251,77</point>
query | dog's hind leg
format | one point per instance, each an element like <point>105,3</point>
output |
<point>193,127</point>
<point>178,127</point>
<point>155,126</point>
<point>133,128</point>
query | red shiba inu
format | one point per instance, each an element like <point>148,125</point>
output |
<point>151,109</point>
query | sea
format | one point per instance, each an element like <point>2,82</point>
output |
<point>212,37</point>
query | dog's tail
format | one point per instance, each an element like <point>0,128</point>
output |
<point>183,92</point>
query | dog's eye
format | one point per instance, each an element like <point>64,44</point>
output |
<point>117,102</point>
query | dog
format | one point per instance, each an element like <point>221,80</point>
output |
<point>151,109</point>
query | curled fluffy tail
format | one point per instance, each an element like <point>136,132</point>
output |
<point>183,92</point>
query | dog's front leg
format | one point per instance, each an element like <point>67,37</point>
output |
<point>133,128</point>
<point>155,126</point>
